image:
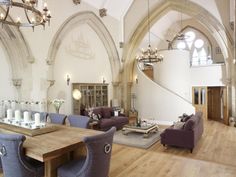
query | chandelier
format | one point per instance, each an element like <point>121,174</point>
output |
<point>149,55</point>
<point>33,15</point>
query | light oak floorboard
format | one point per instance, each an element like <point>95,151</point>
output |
<point>214,156</point>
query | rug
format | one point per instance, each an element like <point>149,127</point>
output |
<point>135,139</point>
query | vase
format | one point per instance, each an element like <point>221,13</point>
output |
<point>57,109</point>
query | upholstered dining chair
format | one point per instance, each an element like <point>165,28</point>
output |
<point>97,161</point>
<point>78,121</point>
<point>14,162</point>
<point>56,118</point>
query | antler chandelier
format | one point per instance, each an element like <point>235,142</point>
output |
<point>33,15</point>
<point>149,55</point>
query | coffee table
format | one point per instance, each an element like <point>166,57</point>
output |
<point>146,129</point>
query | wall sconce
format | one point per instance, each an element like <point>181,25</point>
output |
<point>68,79</point>
<point>103,80</point>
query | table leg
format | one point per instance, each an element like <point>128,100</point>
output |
<point>52,165</point>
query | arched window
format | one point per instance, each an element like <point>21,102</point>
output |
<point>198,45</point>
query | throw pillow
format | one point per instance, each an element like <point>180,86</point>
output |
<point>106,112</point>
<point>178,125</point>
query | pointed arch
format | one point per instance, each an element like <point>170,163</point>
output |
<point>97,25</point>
<point>16,49</point>
<point>218,31</point>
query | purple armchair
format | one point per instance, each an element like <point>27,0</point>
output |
<point>185,136</point>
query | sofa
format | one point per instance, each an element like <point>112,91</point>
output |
<point>106,119</point>
<point>184,134</point>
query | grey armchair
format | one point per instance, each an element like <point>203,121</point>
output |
<point>79,121</point>
<point>97,161</point>
<point>14,162</point>
<point>57,118</point>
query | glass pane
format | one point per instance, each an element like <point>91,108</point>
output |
<point>196,96</point>
<point>203,96</point>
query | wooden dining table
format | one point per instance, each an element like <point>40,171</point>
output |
<point>56,147</point>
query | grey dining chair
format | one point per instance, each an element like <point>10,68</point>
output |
<point>97,161</point>
<point>14,161</point>
<point>79,121</point>
<point>57,118</point>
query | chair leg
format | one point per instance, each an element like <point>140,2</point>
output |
<point>191,150</point>
<point>164,145</point>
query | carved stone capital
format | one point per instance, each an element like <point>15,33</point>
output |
<point>17,82</point>
<point>51,82</point>
<point>130,84</point>
<point>103,12</point>
<point>49,61</point>
<point>76,2</point>
<point>115,84</point>
<point>228,81</point>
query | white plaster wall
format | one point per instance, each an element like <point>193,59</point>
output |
<point>174,72</point>
<point>80,69</point>
<point>7,90</point>
<point>212,75</point>
<point>35,82</point>
<point>155,102</point>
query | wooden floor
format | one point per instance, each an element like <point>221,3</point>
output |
<point>214,156</point>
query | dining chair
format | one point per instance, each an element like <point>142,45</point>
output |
<point>97,161</point>
<point>14,161</point>
<point>56,118</point>
<point>79,121</point>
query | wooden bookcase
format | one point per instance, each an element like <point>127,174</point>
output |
<point>92,95</point>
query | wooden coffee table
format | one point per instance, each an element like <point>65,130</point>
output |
<point>146,129</point>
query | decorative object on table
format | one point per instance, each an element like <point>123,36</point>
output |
<point>34,16</point>
<point>26,116</point>
<point>138,122</point>
<point>9,114</point>
<point>57,104</point>
<point>17,115</point>
<point>232,122</point>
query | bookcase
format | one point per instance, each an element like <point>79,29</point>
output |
<point>92,95</point>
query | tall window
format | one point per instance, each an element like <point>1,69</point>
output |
<point>198,45</point>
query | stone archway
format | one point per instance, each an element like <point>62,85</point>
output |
<point>17,50</point>
<point>97,25</point>
<point>19,55</point>
<point>192,9</point>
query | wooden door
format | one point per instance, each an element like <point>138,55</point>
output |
<point>217,104</point>
<point>214,103</point>
<point>225,106</point>
<point>199,95</point>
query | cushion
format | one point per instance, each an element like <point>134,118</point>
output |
<point>178,125</point>
<point>189,124</point>
<point>107,112</point>
<point>185,118</point>
<point>97,111</point>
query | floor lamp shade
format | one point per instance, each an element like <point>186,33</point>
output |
<point>76,94</point>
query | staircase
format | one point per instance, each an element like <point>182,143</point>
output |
<point>159,103</point>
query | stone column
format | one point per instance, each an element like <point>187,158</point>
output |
<point>116,91</point>
<point>50,84</point>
